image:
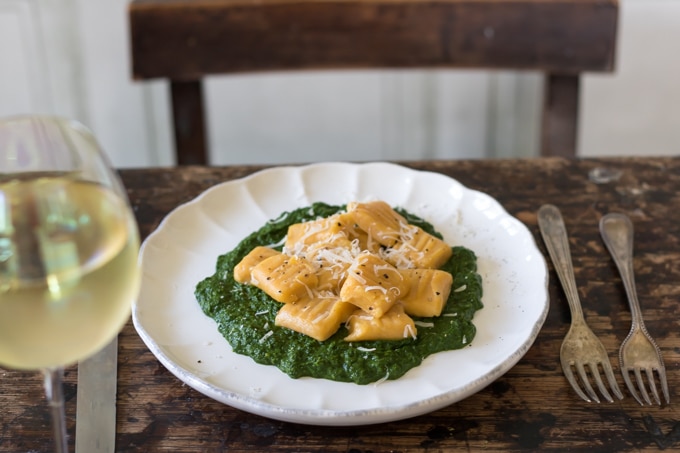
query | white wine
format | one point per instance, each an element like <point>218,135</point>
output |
<point>68,270</point>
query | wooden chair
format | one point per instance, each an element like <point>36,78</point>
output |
<point>185,40</point>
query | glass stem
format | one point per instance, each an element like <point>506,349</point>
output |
<point>55,399</point>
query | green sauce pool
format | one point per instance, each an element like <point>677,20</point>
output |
<point>245,316</point>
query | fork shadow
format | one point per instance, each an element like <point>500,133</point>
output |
<point>662,440</point>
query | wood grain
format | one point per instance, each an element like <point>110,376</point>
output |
<point>530,408</point>
<point>192,38</point>
<point>560,115</point>
<point>188,117</point>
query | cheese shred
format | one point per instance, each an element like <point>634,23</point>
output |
<point>265,336</point>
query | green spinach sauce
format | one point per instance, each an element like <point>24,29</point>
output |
<point>245,316</point>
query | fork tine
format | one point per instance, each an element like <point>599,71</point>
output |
<point>609,373</point>
<point>600,385</point>
<point>631,387</point>
<point>569,374</point>
<point>586,382</point>
<point>649,374</point>
<point>664,383</point>
<point>652,385</point>
<point>641,386</point>
<point>598,379</point>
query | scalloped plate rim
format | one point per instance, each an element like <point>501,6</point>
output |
<point>321,416</point>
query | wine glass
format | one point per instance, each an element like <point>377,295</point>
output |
<point>68,251</point>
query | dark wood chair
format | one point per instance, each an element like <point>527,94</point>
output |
<point>186,40</point>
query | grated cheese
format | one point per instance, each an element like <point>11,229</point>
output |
<point>310,293</point>
<point>357,275</point>
<point>382,379</point>
<point>265,336</point>
<point>281,242</point>
<point>361,348</point>
<point>320,317</point>
<point>278,219</point>
<point>408,331</point>
<point>376,288</point>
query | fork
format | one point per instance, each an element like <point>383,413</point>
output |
<point>639,353</point>
<point>581,350</point>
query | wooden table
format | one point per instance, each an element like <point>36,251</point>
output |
<point>530,408</point>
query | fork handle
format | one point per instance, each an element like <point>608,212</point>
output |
<point>555,237</point>
<point>617,232</point>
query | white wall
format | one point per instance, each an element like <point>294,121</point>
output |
<point>22,86</point>
<point>71,58</point>
<point>637,109</point>
<point>367,115</point>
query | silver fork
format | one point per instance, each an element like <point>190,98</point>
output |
<point>639,353</point>
<point>581,350</point>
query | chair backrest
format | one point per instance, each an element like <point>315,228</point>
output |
<point>185,40</point>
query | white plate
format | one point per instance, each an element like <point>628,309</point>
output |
<point>184,249</point>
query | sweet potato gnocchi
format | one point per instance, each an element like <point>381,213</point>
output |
<point>366,268</point>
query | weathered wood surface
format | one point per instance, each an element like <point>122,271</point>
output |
<point>530,408</point>
<point>188,39</point>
